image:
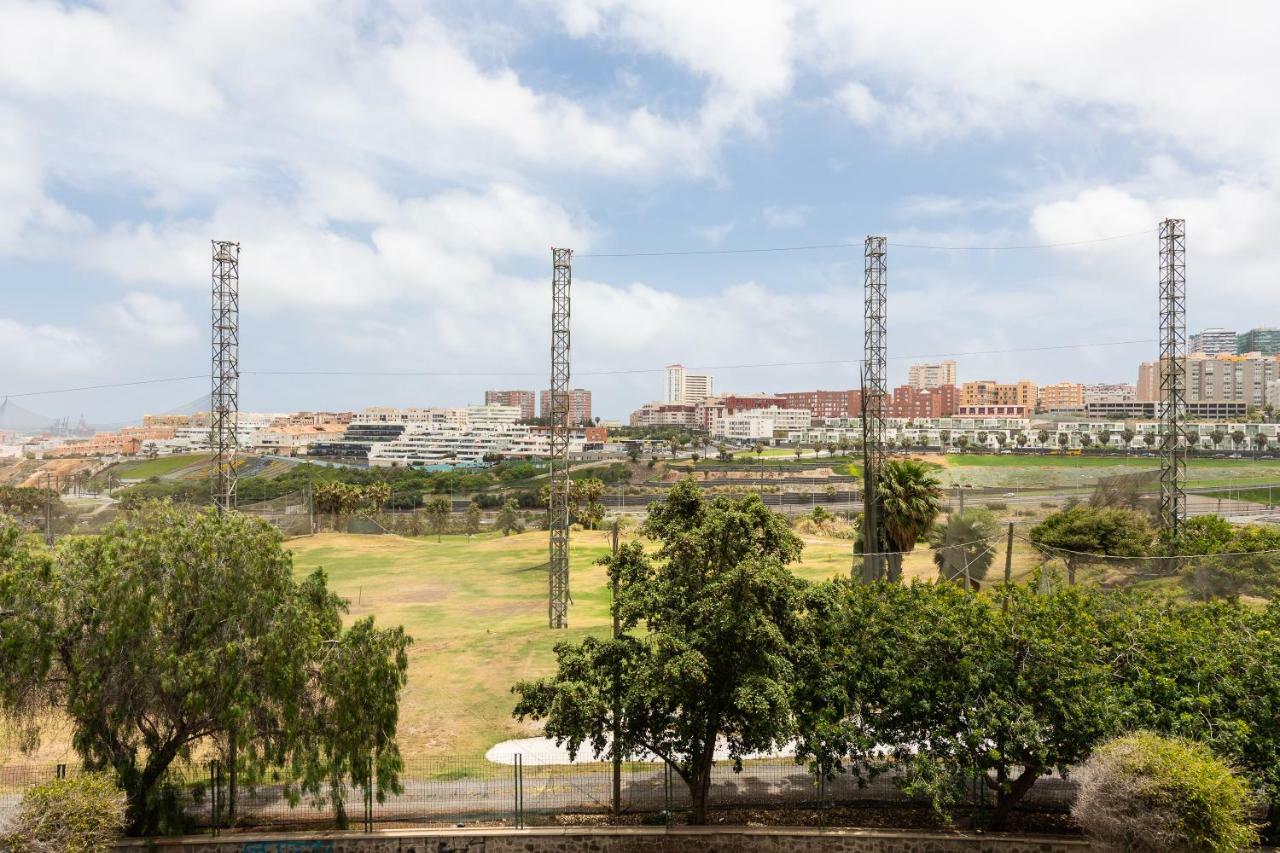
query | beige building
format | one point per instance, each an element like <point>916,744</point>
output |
<point>1248,378</point>
<point>685,387</point>
<point>988,392</point>
<point>922,377</point>
<point>1062,397</point>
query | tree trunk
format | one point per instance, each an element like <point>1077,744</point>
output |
<point>699,789</point>
<point>1006,800</point>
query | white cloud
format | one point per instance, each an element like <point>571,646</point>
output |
<point>40,351</point>
<point>794,216</point>
<point>714,234</point>
<point>144,317</point>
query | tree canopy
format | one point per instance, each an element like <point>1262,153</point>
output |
<point>706,654</point>
<point>1083,534</point>
<point>175,631</point>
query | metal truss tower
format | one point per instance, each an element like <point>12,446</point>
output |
<point>224,401</point>
<point>558,507</point>
<point>874,400</point>
<point>1173,377</point>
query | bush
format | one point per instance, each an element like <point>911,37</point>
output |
<point>1143,792</point>
<point>83,814</point>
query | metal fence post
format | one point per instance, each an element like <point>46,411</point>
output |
<point>517,770</point>
<point>368,794</point>
<point>60,772</point>
<point>215,807</point>
<point>666,792</point>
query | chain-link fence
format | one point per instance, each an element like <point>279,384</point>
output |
<point>447,792</point>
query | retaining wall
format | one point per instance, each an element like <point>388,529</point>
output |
<point>621,840</point>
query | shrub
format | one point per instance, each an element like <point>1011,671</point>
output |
<point>83,814</point>
<point>1143,792</point>
<point>996,505</point>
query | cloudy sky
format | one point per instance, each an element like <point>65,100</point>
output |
<point>396,173</point>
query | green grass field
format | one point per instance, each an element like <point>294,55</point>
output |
<point>478,614</point>
<point>159,467</point>
<point>1049,471</point>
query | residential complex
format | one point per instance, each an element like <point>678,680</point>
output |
<point>1061,397</point>
<point>579,405</point>
<point>825,404</point>
<point>922,377</point>
<point>1213,342</point>
<point>908,401</point>
<point>988,392</point>
<point>523,400</point>
<point>685,387</point>
<point>1223,378</point>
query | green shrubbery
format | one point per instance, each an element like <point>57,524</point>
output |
<point>1143,792</point>
<point>83,814</point>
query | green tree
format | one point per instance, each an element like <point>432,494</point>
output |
<point>508,520</point>
<point>962,548</point>
<point>1002,439</point>
<point>1128,436</point>
<point>1042,438</point>
<point>1021,438</point>
<point>1063,440</point>
<point>1217,437</point>
<point>584,501</point>
<point>633,452</point>
<point>944,438</point>
<point>176,631</point>
<point>439,509</point>
<point>471,519</point>
<point>708,621</point>
<point>1084,534</point>
<point>1237,438</point>
<point>982,438</point>
<point>909,500</point>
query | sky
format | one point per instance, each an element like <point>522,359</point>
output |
<point>396,173</point>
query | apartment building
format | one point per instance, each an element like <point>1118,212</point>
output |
<point>1213,342</point>
<point>685,387</point>
<point>988,392</point>
<point>1223,378</point>
<point>442,416</point>
<point>579,405</point>
<point>525,401</point>
<point>1061,397</point>
<point>762,424</point>
<point>427,445</point>
<point>824,404</point>
<point>666,414</point>
<point>922,377</point>
<point>908,401</point>
<point>714,409</point>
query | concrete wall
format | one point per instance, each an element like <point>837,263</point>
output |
<point>621,840</point>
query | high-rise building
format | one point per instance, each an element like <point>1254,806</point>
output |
<point>522,399</point>
<point>579,405</point>
<point>1262,340</point>
<point>932,375</point>
<point>1212,342</point>
<point>1062,397</point>
<point>1223,378</point>
<point>685,387</point>
<point>988,392</point>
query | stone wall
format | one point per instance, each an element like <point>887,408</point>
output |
<point>621,840</point>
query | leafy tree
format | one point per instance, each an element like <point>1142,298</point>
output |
<point>1083,534</point>
<point>471,520</point>
<point>1229,560</point>
<point>1128,435</point>
<point>1149,438</point>
<point>962,546</point>
<point>944,437</point>
<point>176,631</point>
<point>1002,439</point>
<point>1063,440</point>
<point>1237,438</point>
<point>1148,794</point>
<point>439,509</point>
<point>508,520</point>
<point>1261,441</point>
<point>1042,437</point>
<point>1218,436</point>
<point>1104,438</point>
<point>962,442</point>
<point>1021,439</point>
<point>1085,439</point>
<point>633,452</point>
<point>982,438</point>
<point>909,500</point>
<point>584,501</point>
<point>708,621</point>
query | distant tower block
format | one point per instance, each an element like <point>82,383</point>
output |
<point>874,398</point>
<point>224,401</point>
<point>1173,391</point>
<point>558,507</point>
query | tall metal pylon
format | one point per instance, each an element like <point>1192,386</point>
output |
<point>1173,376</point>
<point>558,506</point>
<point>874,400</point>
<point>224,401</point>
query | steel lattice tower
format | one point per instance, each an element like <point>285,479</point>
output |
<point>224,402</point>
<point>558,507</point>
<point>1173,377</point>
<point>874,399</point>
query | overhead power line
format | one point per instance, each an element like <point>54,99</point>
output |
<point>819,246</point>
<point>620,372</point>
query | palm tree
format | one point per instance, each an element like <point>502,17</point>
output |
<point>1042,437</point>
<point>909,499</point>
<point>1021,439</point>
<point>1149,438</point>
<point>1063,440</point>
<point>962,546</point>
<point>1085,439</point>
<point>1104,438</point>
<point>944,438</point>
<point>1218,437</point>
<point>1237,438</point>
<point>1260,440</point>
<point>982,438</point>
<point>1002,439</point>
<point>1127,434</point>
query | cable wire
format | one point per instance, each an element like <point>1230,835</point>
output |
<point>892,245</point>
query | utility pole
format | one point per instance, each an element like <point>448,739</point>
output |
<point>224,400</point>
<point>558,508</point>
<point>874,319</point>
<point>617,689</point>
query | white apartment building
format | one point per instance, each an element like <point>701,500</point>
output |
<point>757,424</point>
<point>460,416</point>
<point>1213,342</point>
<point>922,377</point>
<point>685,387</point>
<point>427,444</point>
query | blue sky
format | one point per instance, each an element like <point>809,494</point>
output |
<point>396,172</point>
